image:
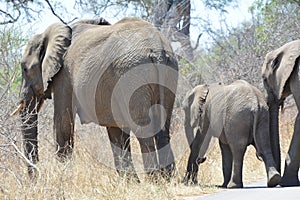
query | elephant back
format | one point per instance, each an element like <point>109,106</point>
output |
<point>130,48</point>
<point>229,103</point>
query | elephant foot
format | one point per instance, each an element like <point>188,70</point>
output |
<point>200,160</point>
<point>64,153</point>
<point>33,173</point>
<point>233,185</point>
<point>273,178</point>
<point>221,186</point>
<point>132,176</point>
<point>135,178</point>
<point>129,176</point>
<point>289,181</point>
<point>224,185</point>
<point>190,179</point>
<point>168,171</point>
<point>154,176</point>
<point>190,182</point>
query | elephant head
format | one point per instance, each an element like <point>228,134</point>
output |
<point>193,108</point>
<point>41,61</point>
<point>276,71</point>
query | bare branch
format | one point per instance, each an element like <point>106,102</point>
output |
<point>12,19</point>
<point>24,158</point>
<point>197,42</point>
<point>54,13</point>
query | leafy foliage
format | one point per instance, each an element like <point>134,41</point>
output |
<point>218,4</point>
<point>11,43</point>
<point>238,52</point>
<point>12,10</point>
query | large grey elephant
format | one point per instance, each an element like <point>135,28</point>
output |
<point>122,76</point>
<point>281,77</point>
<point>238,115</point>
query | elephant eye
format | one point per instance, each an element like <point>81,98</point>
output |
<point>24,68</point>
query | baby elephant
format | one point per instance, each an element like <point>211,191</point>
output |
<point>238,115</point>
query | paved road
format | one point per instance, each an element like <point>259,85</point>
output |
<point>255,191</point>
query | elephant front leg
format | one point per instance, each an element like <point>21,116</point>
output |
<point>193,162</point>
<point>64,130</point>
<point>63,115</point>
<point>272,173</point>
<point>120,144</point>
<point>290,175</point>
<point>264,150</point>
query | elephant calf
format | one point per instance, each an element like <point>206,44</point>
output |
<point>238,115</point>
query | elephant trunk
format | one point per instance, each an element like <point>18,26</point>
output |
<point>189,132</point>
<point>30,142</point>
<point>274,133</point>
<point>28,110</point>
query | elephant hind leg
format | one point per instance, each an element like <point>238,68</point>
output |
<point>165,154</point>
<point>226,163</point>
<point>238,152</point>
<point>149,155</point>
<point>120,144</point>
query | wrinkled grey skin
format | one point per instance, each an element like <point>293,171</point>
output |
<point>281,76</point>
<point>79,67</point>
<point>238,115</point>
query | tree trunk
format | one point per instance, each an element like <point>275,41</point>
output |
<point>172,17</point>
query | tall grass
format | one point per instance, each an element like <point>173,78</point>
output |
<point>88,175</point>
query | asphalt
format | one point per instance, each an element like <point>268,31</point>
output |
<point>254,191</point>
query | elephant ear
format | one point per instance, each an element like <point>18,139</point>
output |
<point>200,93</point>
<point>56,40</point>
<point>279,65</point>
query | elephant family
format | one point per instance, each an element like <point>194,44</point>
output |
<point>281,77</point>
<point>236,114</point>
<point>121,76</point>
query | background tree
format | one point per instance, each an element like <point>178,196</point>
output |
<point>12,10</point>
<point>11,44</point>
<point>226,54</point>
<point>172,17</point>
<point>238,52</point>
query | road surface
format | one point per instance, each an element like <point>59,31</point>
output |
<point>254,191</point>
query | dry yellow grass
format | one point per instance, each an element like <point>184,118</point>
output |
<point>85,175</point>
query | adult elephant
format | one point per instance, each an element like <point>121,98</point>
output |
<point>238,115</point>
<point>122,76</point>
<point>281,77</point>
